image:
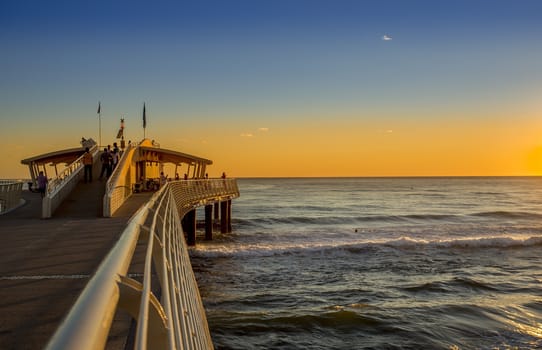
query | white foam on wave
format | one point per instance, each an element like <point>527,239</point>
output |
<point>492,242</point>
<point>274,247</point>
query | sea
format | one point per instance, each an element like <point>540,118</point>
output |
<point>377,263</point>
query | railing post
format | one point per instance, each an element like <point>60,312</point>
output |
<point>46,211</point>
<point>209,222</point>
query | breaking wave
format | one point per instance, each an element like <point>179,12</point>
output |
<point>292,247</point>
<point>386,219</point>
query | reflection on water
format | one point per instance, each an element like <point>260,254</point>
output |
<point>435,263</point>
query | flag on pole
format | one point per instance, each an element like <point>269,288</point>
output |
<point>99,107</point>
<point>144,117</point>
<point>120,134</point>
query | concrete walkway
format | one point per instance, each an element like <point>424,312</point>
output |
<point>44,264</point>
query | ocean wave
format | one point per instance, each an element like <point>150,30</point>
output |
<point>327,319</point>
<point>429,287</point>
<point>356,247</point>
<point>448,326</point>
<point>450,286</point>
<point>479,242</point>
<point>344,220</point>
<point>508,215</point>
<point>430,217</point>
<point>488,193</point>
<point>326,219</point>
<point>263,323</point>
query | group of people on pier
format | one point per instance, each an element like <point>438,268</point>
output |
<point>109,160</point>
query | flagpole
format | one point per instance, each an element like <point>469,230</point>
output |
<point>144,121</point>
<point>99,125</point>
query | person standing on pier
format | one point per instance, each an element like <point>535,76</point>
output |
<point>163,179</point>
<point>42,183</point>
<point>105,158</point>
<point>116,155</point>
<point>87,162</point>
<point>111,158</point>
<point>115,158</point>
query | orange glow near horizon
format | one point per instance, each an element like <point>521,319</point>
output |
<point>349,147</point>
<point>442,148</point>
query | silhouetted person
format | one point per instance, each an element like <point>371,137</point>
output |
<point>163,179</point>
<point>115,158</point>
<point>42,183</point>
<point>87,162</point>
<point>105,158</point>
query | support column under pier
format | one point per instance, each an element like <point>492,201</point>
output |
<point>217,211</point>
<point>229,216</point>
<point>189,227</point>
<point>224,217</point>
<point>209,222</point>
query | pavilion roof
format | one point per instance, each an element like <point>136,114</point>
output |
<point>63,156</point>
<point>169,156</point>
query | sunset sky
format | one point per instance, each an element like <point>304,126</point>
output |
<point>281,87</point>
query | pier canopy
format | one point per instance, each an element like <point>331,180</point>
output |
<point>53,159</point>
<point>149,153</point>
<point>140,169</point>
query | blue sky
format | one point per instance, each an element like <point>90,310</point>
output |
<point>260,63</point>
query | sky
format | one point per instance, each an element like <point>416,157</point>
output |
<point>269,88</point>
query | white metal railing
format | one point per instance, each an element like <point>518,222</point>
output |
<point>194,193</point>
<point>10,195</point>
<point>8,182</point>
<point>178,320</point>
<point>119,185</point>
<point>61,186</point>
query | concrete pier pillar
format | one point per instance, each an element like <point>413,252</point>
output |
<point>189,227</point>
<point>224,217</point>
<point>229,216</point>
<point>209,222</point>
<point>217,211</point>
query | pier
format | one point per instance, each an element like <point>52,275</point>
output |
<point>108,266</point>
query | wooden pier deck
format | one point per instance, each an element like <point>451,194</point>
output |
<point>44,264</point>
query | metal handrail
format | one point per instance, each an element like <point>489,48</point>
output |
<point>119,187</point>
<point>68,173</point>
<point>9,182</point>
<point>117,172</point>
<point>178,320</point>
